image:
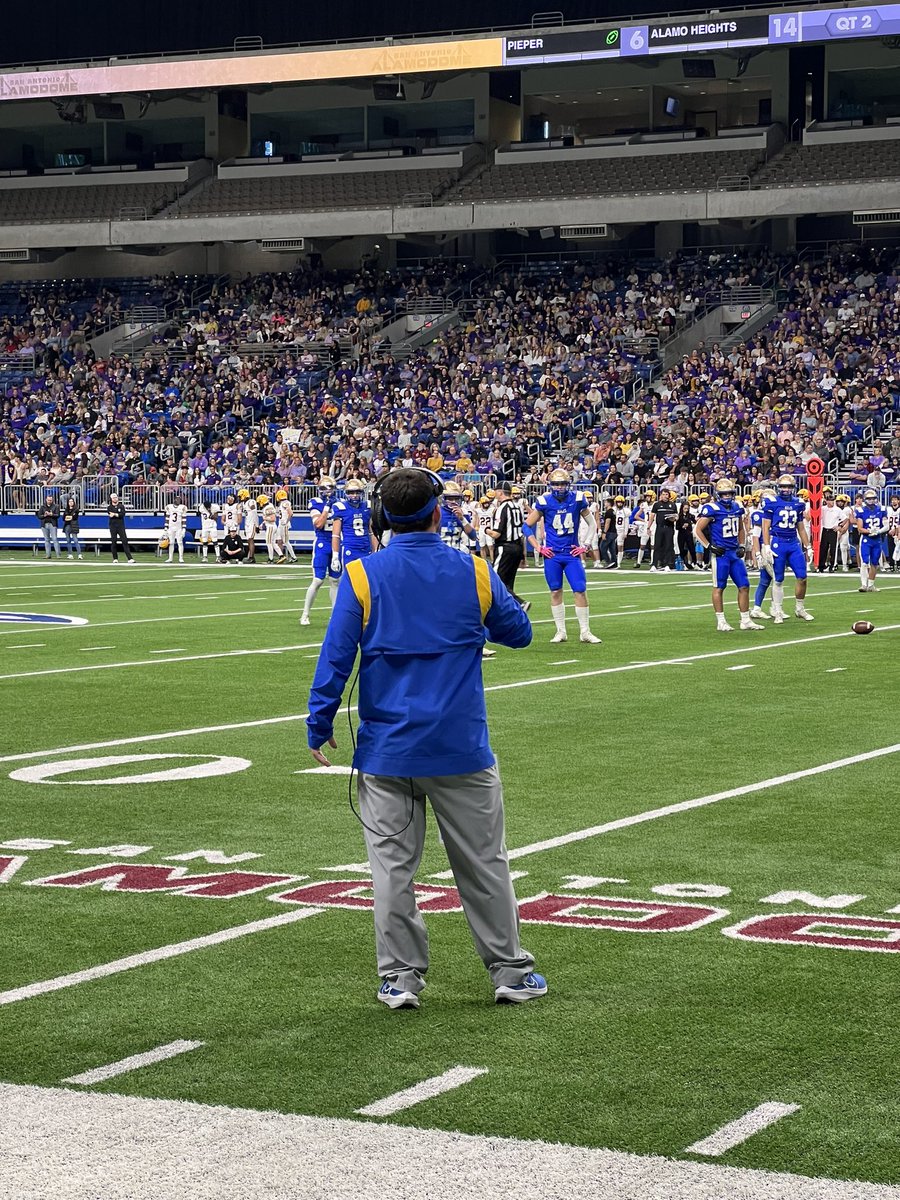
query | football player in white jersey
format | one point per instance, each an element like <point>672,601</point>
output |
<point>251,522</point>
<point>483,520</point>
<point>893,532</point>
<point>274,548</point>
<point>176,521</point>
<point>642,519</point>
<point>209,534</point>
<point>622,522</point>
<point>285,512</point>
<point>591,539</point>
<point>231,515</point>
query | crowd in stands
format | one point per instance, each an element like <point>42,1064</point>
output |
<point>549,364</point>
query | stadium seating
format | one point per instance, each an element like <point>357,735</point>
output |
<point>291,193</point>
<point>106,202</point>
<point>607,176</point>
<point>845,162</point>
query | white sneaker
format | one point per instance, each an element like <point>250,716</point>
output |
<point>777,616</point>
<point>597,566</point>
<point>590,638</point>
<point>723,627</point>
<point>71,556</point>
<point>667,570</point>
<point>803,615</point>
<point>654,569</point>
<point>80,557</point>
<point>750,625</point>
<point>304,619</point>
<point>486,652</point>
<point>559,636</point>
<point>758,613</point>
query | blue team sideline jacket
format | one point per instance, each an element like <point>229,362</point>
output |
<point>418,612</point>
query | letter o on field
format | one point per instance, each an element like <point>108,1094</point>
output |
<point>203,766</point>
<point>691,891</point>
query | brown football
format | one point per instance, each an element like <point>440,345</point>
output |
<point>863,627</point>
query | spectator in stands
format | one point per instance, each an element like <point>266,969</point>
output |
<point>70,518</point>
<point>48,515</point>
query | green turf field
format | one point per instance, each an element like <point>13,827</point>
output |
<point>648,1041</point>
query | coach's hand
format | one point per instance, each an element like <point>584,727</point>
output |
<point>579,551</point>
<point>320,757</point>
<point>545,552</point>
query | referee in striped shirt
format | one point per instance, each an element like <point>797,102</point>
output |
<point>509,541</point>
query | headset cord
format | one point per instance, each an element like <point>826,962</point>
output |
<point>412,794</point>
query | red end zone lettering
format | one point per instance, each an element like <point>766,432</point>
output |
<point>347,893</point>
<point>133,877</point>
<point>649,915</point>
<point>806,929</point>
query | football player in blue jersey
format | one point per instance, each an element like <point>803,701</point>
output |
<point>872,523</point>
<point>765,577</point>
<point>562,510</point>
<point>786,544</point>
<point>351,533</point>
<point>722,527</point>
<point>321,510</point>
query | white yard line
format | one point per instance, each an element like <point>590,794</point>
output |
<point>27,646</point>
<point>87,650</point>
<point>147,662</point>
<point>668,810</point>
<point>149,1149</point>
<point>222,595</point>
<point>171,650</point>
<point>426,1090</point>
<point>741,667</point>
<point>145,957</point>
<point>496,687</point>
<point>249,612</point>
<point>133,1063</point>
<point>738,1131</point>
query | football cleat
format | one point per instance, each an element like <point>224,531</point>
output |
<point>750,625</point>
<point>590,638</point>
<point>487,652</point>
<point>304,619</point>
<point>778,616</point>
<point>803,615</point>
<point>758,613</point>
<point>724,627</point>
<point>559,636</point>
<point>531,987</point>
<point>396,997</point>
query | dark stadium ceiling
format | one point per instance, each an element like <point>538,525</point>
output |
<point>92,30</point>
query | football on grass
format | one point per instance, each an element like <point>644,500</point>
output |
<point>863,627</point>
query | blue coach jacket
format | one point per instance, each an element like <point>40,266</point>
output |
<point>418,612</point>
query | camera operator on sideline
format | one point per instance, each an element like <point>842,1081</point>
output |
<point>417,611</point>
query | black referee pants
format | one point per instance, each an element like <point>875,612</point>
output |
<point>828,550</point>
<point>507,560</point>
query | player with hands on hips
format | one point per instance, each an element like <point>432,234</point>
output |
<point>785,543</point>
<point>872,523</point>
<point>561,509</point>
<point>722,528</point>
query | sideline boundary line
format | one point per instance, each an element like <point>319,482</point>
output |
<point>494,687</point>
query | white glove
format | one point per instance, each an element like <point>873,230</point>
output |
<point>335,564</point>
<point>767,558</point>
<point>809,554</point>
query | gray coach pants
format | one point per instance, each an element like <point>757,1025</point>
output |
<point>469,812</point>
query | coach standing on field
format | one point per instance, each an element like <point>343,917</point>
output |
<point>509,541</point>
<point>117,535</point>
<point>417,612</point>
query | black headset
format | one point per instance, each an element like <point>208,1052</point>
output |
<point>382,519</point>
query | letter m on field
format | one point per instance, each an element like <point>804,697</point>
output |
<point>145,877</point>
